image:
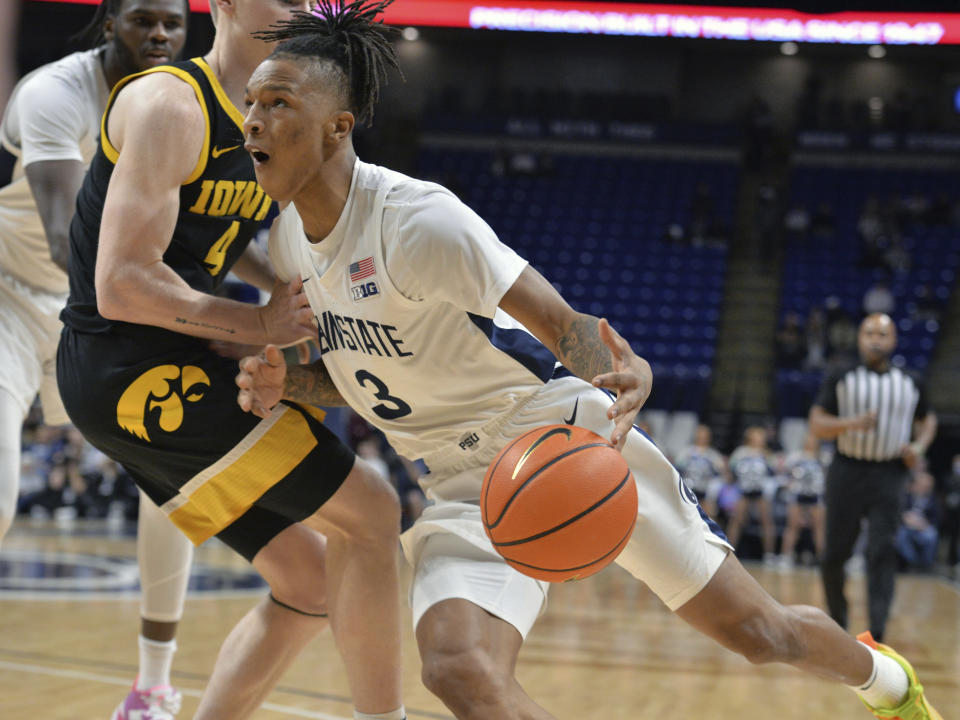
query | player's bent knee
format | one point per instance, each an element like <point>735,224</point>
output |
<point>307,597</point>
<point>461,677</point>
<point>294,565</point>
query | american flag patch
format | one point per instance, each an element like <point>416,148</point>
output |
<point>362,269</point>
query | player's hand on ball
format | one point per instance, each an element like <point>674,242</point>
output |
<point>261,380</point>
<point>631,378</point>
<point>287,317</point>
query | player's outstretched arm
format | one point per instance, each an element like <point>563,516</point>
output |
<point>588,346</point>
<point>158,127</point>
<point>265,379</point>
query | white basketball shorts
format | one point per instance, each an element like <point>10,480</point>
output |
<point>675,549</point>
<point>29,333</point>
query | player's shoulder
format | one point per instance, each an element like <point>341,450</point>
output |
<point>160,88</point>
<point>409,193</point>
<point>74,75</point>
<point>162,104</point>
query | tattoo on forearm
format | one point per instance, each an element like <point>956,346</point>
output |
<point>311,384</point>
<point>581,349</point>
<point>205,326</point>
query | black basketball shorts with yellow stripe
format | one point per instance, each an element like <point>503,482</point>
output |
<point>169,415</point>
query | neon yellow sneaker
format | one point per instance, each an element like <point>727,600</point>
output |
<point>915,706</point>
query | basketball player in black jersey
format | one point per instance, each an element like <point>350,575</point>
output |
<point>167,209</point>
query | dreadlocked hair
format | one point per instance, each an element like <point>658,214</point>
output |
<point>92,35</point>
<point>346,33</point>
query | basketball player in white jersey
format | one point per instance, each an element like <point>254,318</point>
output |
<point>422,317</point>
<point>49,134</point>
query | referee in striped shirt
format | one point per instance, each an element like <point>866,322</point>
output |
<point>871,409</point>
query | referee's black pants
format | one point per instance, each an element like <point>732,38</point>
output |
<point>857,489</point>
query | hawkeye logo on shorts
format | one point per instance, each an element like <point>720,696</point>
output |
<point>163,389</point>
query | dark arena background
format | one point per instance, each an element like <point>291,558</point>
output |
<point>731,186</point>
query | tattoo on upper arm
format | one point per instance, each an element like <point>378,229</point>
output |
<point>206,326</point>
<point>582,350</point>
<point>311,384</point>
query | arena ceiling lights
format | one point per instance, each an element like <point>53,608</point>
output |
<point>682,21</point>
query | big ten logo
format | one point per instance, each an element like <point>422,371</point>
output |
<point>156,398</point>
<point>364,290</point>
<point>471,441</point>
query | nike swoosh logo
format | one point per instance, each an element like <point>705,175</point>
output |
<point>573,417</point>
<point>217,152</point>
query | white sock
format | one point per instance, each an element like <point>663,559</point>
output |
<point>398,714</point>
<point>155,661</point>
<point>888,683</point>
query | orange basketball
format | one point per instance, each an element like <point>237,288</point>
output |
<point>559,503</point>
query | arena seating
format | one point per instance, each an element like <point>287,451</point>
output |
<point>818,266</point>
<point>597,227</point>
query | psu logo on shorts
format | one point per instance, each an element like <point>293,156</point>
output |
<point>470,441</point>
<point>364,290</point>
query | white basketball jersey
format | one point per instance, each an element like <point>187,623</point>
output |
<point>425,371</point>
<point>53,114</point>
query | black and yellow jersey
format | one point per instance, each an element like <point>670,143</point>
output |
<point>221,203</point>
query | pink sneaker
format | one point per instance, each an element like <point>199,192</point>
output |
<point>158,703</point>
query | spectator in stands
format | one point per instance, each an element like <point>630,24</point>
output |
<point>753,474</point>
<point>702,468</point>
<point>918,535</point>
<point>897,258</point>
<point>950,525</point>
<point>727,498</point>
<point>805,480</point>
<point>791,345</point>
<point>816,340</point>
<point>870,230</point>
<point>916,207</point>
<point>879,299</point>
<point>674,233</point>
<point>796,223</point>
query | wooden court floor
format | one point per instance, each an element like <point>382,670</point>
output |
<point>605,649</point>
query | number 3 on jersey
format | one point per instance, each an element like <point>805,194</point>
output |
<point>392,407</point>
